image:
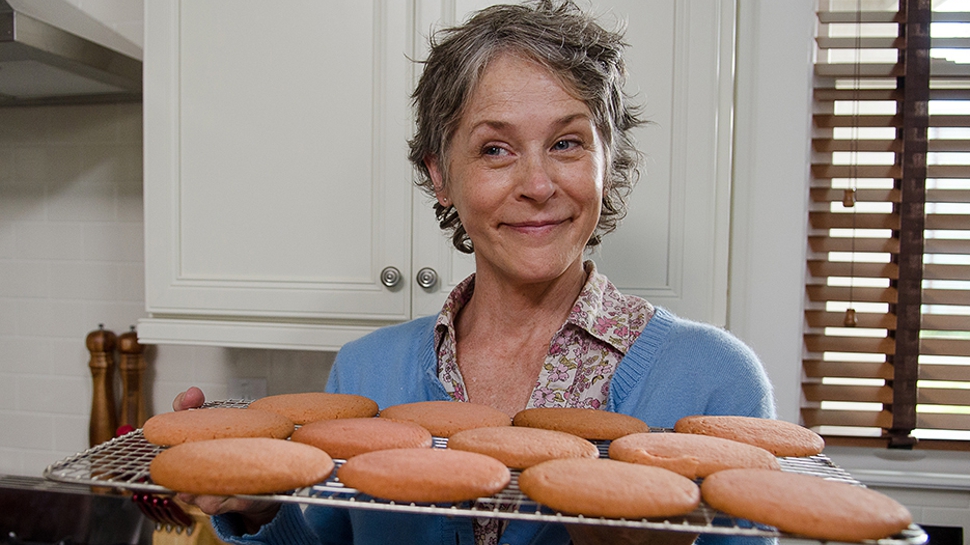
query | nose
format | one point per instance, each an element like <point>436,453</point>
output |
<point>536,179</point>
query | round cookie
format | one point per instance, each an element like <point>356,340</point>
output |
<point>805,505</point>
<point>692,456</point>
<point>312,406</point>
<point>345,438</point>
<point>446,418</point>
<point>608,488</point>
<point>214,423</point>
<point>247,465</point>
<point>425,475</point>
<point>590,424</point>
<point>519,448</point>
<point>779,437</point>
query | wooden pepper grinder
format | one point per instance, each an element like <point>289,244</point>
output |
<point>131,363</point>
<point>104,419</point>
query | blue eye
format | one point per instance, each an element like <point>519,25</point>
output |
<point>563,145</point>
<point>492,150</point>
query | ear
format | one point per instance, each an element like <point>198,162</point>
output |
<point>437,179</point>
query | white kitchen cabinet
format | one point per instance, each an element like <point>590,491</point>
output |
<point>277,187</point>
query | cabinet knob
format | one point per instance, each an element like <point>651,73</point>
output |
<point>427,278</point>
<point>390,276</point>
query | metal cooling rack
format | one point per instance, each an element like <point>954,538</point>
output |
<point>123,463</point>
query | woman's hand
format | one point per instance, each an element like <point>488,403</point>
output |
<point>583,534</point>
<point>252,514</point>
<point>193,398</point>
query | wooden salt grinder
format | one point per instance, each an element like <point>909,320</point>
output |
<point>104,420</point>
<point>131,363</point>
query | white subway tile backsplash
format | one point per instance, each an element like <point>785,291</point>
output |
<point>46,394</point>
<point>72,357</point>
<point>40,241</point>
<point>111,242</point>
<point>24,278</point>
<point>83,280</point>
<point>12,461</point>
<point>8,243</point>
<point>65,163</point>
<point>26,430</point>
<point>84,124</point>
<point>130,207</point>
<point>32,164</point>
<point>81,202</point>
<point>24,125</point>
<point>52,318</point>
<point>8,392</point>
<point>109,162</point>
<point>22,203</point>
<point>69,432</point>
<point>24,355</point>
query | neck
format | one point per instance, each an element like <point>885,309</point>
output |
<point>497,301</point>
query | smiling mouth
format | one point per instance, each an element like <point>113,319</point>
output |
<point>535,226</point>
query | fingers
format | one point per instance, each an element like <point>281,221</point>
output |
<point>189,399</point>
<point>254,513</point>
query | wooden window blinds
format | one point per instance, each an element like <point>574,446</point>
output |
<point>887,319</point>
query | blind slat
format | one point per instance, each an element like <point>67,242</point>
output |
<point>932,421</point>
<point>950,195</point>
<point>858,270</point>
<point>821,318</point>
<point>865,394</point>
<point>826,17</point>
<point>831,121</point>
<point>848,220</point>
<point>946,297</point>
<point>847,70</point>
<point>829,145</point>
<point>938,322</point>
<point>947,246</point>
<point>859,295</point>
<point>862,195</point>
<point>822,368</point>
<point>858,419</point>
<point>929,371</point>
<point>945,347</point>
<point>824,343</point>
<point>846,244</point>
<point>944,396</point>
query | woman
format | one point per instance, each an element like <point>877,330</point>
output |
<point>523,141</point>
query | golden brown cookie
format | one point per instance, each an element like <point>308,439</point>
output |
<point>247,465</point>
<point>345,438</point>
<point>805,505</point>
<point>214,423</point>
<point>690,455</point>
<point>520,448</point>
<point>425,475</point>
<point>312,406</point>
<point>586,423</point>
<point>779,437</point>
<point>445,418</point>
<point>609,488</point>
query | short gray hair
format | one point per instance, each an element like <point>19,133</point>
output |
<point>558,35</point>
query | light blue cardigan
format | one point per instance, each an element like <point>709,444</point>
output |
<point>675,368</point>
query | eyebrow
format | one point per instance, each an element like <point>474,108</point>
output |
<point>561,122</point>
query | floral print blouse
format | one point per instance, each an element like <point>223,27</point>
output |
<point>583,354</point>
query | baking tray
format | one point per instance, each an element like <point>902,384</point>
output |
<point>123,462</point>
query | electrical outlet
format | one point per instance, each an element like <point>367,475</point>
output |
<point>247,389</point>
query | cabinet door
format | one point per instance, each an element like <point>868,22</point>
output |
<point>276,182</point>
<point>672,248</point>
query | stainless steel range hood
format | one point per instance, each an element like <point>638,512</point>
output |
<point>41,63</point>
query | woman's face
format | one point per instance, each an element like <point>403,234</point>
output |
<point>526,169</point>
